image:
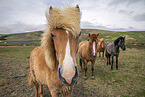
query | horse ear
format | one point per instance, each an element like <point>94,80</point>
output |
<point>50,9</point>
<point>98,34</point>
<point>89,34</point>
<point>80,33</point>
<point>77,6</point>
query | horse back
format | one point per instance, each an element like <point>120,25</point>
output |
<point>82,43</point>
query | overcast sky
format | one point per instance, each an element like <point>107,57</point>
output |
<point>29,15</point>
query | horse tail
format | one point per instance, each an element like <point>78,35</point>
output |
<point>81,63</point>
<point>31,77</point>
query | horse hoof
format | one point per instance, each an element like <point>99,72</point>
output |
<point>99,60</point>
<point>93,78</point>
<point>85,78</point>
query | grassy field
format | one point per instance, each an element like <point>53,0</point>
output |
<point>129,80</point>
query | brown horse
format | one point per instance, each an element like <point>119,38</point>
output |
<point>54,62</point>
<point>87,52</point>
<point>101,48</point>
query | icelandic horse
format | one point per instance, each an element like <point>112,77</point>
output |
<point>101,48</point>
<point>112,49</point>
<point>54,62</point>
<point>88,52</point>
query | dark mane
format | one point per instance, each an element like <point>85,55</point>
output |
<point>117,40</point>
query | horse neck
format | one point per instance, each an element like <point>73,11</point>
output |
<point>102,43</point>
<point>116,47</point>
<point>89,48</point>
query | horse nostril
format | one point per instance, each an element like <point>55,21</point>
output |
<point>64,81</point>
<point>94,55</point>
<point>74,79</point>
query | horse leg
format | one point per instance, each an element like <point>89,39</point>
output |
<point>81,63</point>
<point>109,59</point>
<point>99,57</point>
<point>68,94</point>
<point>41,90</point>
<point>85,68</point>
<point>103,56</point>
<point>54,94</point>
<point>117,62</point>
<point>93,70</point>
<point>112,63</point>
<point>36,89</point>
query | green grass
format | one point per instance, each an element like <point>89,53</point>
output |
<point>14,61</point>
<point>134,39</point>
<point>129,80</point>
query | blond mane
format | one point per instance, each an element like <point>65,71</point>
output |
<point>69,19</point>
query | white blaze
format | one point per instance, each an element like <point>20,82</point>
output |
<point>99,43</point>
<point>68,58</point>
<point>94,48</point>
<point>68,64</point>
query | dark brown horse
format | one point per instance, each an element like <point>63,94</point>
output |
<point>112,49</point>
<point>88,52</point>
<point>101,48</point>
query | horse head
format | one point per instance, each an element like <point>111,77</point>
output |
<point>102,43</point>
<point>64,26</point>
<point>66,46</point>
<point>121,43</point>
<point>93,41</point>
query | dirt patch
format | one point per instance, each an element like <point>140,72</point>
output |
<point>127,81</point>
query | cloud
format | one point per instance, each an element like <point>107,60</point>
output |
<point>18,15</point>
<point>19,28</point>
<point>21,16</point>
<point>139,17</point>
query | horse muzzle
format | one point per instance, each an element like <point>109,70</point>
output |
<point>94,55</point>
<point>102,47</point>
<point>123,48</point>
<point>64,80</point>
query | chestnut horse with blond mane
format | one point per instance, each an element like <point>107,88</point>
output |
<point>87,52</point>
<point>54,62</point>
<point>101,48</point>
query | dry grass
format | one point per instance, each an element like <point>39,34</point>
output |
<point>129,80</point>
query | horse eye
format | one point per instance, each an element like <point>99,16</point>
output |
<point>52,35</point>
<point>80,33</point>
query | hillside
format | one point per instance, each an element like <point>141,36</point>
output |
<point>133,38</point>
<point>125,82</point>
<point>31,36</point>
